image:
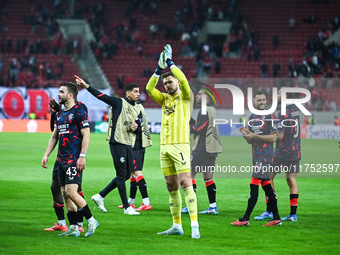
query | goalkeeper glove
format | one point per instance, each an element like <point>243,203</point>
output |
<point>168,55</point>
<point>161,64</point>
<point>161,61</point>
<point>168,51</point>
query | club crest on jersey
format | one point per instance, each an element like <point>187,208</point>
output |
<point>169,109</point>
<point>70,117</point>
<point>122,159</point>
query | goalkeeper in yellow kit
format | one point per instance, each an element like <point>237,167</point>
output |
<point>175,145</point>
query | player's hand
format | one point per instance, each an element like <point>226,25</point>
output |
<point>162,61</point>
<point>248,137</point>
<point>54,106</point>
<point>168,52</point>
<point>80,164</point>
<point>44,161</point>
<point>134,126</point>
<point>244,131</point>
<point>80,82</point>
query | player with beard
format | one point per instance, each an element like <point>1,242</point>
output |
<point>261,135</point>
<point>58,202</point>
<point>175,144</point>
<point>72,131</point>
<point>287,156</point>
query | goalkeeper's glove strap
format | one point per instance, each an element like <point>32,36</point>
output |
<point>158,71</point>
<point>169,62</point>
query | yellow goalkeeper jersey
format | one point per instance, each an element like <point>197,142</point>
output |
<point>175,109</point>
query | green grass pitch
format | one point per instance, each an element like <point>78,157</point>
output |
<point>26,205</point>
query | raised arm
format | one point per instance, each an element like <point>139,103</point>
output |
<point>185,88</point>
<point>113,101</point>
<point>154,93</point>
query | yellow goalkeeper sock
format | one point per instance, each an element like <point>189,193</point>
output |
<point>191,202</point>
<point>175,202</point>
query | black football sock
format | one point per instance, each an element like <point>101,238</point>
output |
<point>211,190</point>
<point>254,192</point>
<point>142,186</point>
<point>294,199</point>
<point>268,205</point>
<point>58,201</point>
<point>72,218</point>
<point>272,201</point>
<point>133,188</point>
<point>59,210</point>
<point>86,212</point>
<point>80,215</point>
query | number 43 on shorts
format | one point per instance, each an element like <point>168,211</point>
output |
<point>72,172</point>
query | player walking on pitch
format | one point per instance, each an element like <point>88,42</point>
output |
<point>175,146</point>
<point>122,129</point>
<point>58,202</point>
<point>137,181</point>
<point>72,130</point>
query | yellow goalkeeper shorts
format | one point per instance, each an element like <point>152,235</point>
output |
<point>175,158</point>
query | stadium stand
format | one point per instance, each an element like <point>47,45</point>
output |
<point>31,28</point>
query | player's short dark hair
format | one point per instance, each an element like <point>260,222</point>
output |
<point>72,88</point>
<point>167,75</point>
<point>130,86</point>
<point>258,92</point>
